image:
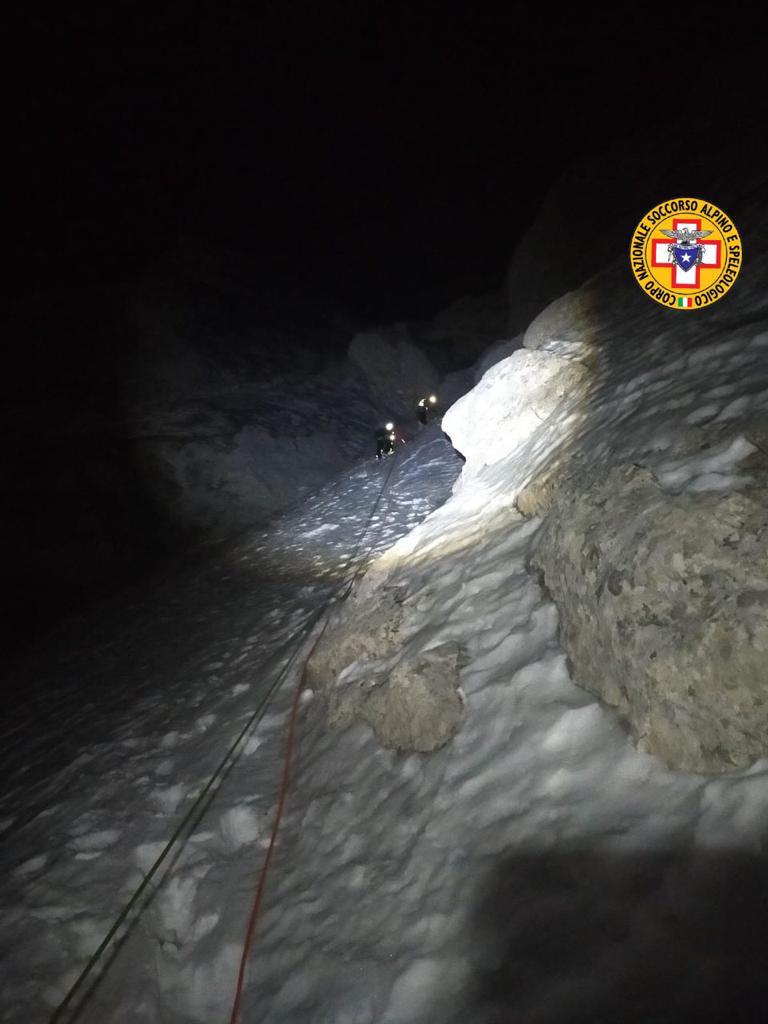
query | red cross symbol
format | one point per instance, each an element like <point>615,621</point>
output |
<point>662,257</point>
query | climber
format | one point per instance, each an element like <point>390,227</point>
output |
<point>423,407</point>
<point>385,440</point>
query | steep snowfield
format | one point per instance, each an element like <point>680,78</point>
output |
<point>538,868</point>
<point>116,738</point>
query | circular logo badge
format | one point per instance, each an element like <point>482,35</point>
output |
<point>685,253</point>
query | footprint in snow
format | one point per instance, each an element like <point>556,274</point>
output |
<point>95,842</point>
<point>204,924</point>
<point>31,866</point>
<point>146,854</point>
<point>168,799</point>
<point>239,825</point>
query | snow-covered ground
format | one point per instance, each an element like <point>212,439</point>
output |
<point>538,868</point>
<point>118,724</point>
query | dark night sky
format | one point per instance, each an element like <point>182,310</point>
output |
<point>388,154</point>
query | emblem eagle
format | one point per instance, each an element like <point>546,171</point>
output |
<point>685,239</point>
<point>686,236</point>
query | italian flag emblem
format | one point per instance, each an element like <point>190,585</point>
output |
<point>683,301</point>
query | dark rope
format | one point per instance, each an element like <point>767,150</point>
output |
<point>203,801</point>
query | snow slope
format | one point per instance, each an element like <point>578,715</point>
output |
<point>125,717</point>
<point>538,868</point>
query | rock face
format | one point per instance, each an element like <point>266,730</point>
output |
<point>416,707</point>
<point>587,219</point>
<point>664,604</point>
<point>638,439</point>
<point>462,332</point>
<point>367,673</point>
<point>396,371</point>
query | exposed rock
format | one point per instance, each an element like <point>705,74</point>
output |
<point>397,372</point>
<point>537,497</point>
<point>367,672</point>
<point>567,325</point>
<point>415,707</point>
<point>664,610</point>
<point>461,332</point>
<point>587,219</point>
<point>368,633</point>
<point>658,593</point>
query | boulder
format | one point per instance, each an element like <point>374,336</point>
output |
<point>416,707</point>
<point>367,672</point>
<point>663,600</point>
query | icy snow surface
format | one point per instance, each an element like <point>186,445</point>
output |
<point>536,869</point>
<point>107,747</point>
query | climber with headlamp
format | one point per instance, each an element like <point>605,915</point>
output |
<point>385,440</point>
<point>424,406</point>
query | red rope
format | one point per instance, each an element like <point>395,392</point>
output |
<point>256,907</point>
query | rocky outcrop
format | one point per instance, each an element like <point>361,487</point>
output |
<point>416,707</point>
<point>397,372</point>
<point>367,672</point>
<point>664,605</point>
<point>587,219</point>
<point>462,332</point>
<point>638,438</point>
<point>654,521</point>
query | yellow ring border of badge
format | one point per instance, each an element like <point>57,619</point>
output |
<point>643,235</point>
